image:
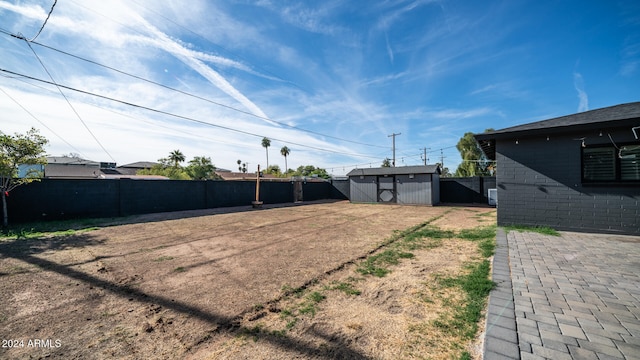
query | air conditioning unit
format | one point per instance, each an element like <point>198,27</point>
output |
<point>493,197</point>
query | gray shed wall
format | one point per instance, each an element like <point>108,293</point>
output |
<point>414,191</point>
<point>421,190</point>
<point>539,184</point>
<point>363,190</point>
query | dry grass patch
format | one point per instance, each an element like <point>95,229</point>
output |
<point>421,295</point>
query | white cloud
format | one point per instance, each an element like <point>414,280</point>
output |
<point>583,98</point>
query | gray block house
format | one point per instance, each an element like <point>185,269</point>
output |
<point>579,172</point>
<point>416,185</point>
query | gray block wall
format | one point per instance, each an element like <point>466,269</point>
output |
<point>461,190</point>
<point>58,199</point>
<point>539,184</point>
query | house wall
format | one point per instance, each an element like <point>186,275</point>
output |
<point>539,184</point>
<point>55,199</point>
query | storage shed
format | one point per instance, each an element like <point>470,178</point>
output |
<point>419,185</point>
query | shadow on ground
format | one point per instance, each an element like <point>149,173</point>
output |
<point>28,250</point>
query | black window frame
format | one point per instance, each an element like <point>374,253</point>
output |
<point>616,161</point>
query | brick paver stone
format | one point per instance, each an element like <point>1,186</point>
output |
<point>573,296</point>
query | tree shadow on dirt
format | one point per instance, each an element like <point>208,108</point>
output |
<point>26,250</point>
<point>34,245</point>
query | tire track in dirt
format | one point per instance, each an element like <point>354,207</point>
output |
<point>326,274</point>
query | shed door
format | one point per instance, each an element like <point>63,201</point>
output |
<point>386,189</point>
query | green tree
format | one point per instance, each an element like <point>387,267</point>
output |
<point>176,157</point>
<point>311,171</point>
<point>201,168</point>
<point>386,162</point>
<point>285,152</point>
<point>165,168</point>
<point>242,166</point>
<point>474,161</point>
<point>19,149</point>
<point>265,144</point>
<point>444,171</point>
<point>273,169</point>
<point>169,167</point>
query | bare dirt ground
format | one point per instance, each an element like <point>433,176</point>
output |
<point>221,284</point>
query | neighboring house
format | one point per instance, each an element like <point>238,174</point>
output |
<point>235,176</point>
<point>65,167</point>
<point>418,185</point>
<point>579,172</point>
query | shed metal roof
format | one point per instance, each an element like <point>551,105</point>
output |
<point>618,115</point>
<point>401,170</point>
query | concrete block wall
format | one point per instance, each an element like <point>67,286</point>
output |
<point>539,184</point>
<point>466,190</point>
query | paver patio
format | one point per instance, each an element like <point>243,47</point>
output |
<point>574,296</point>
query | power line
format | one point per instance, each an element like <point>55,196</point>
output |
<point>173,129</point>
<point>45,20</point>
<point>40,121</point>
<point>68,102</point>
<point>192,95</point>
<point>371,163</point>
<point>181,116</point>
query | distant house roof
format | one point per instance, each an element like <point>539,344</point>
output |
<point>134,177</point>
<point>68,160</point>
<point>400,170</point>
<point>139,165</point>
<point>228,175</point>
<point>618,115</point>
<point>133,168</point>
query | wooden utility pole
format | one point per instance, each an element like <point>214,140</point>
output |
<point>394,147</point>
<point>257,203</point>
<point>424,155</point>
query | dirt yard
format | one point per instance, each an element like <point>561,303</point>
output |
<point>234,283</point>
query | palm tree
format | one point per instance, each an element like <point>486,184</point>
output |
<point>265,144</point>
<point>285,152</point>
<point>176,156</point>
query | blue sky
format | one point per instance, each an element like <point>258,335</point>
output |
<point>331,80</point>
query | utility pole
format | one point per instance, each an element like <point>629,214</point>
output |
<point>393,164</point>
<point>441,159</point>
<point>424,155</point>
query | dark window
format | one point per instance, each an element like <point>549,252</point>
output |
<point>630,163</point>
<point>610,164</point>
